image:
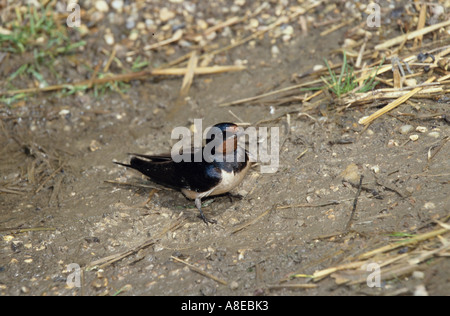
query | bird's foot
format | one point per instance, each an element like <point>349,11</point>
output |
<point>206,220</point>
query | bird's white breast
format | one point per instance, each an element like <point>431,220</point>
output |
<point>230,180</point>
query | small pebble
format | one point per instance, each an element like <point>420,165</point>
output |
<point>275,51</point>
<point>421,129</point>
<point>420,291</point>
<point>392,143</point>
<point>254,23</point>
<point>406,129</point>
<point>437,10</point>
<point>235,9</point>
<point>109,39</point>
<point>64,112</point>
<point>234,285</point>
<point>434,134</point>
<point>351,173</point>
<point>414,137</point>
<point>411,82</point>
<point>102,6</point>
<point>418,275</point>
<point>130,23</point>
<point>410,190</point>
<point>375,169</point>
<point>348,42</point>
<point>134,35</point>
<point>318,67</point>
<point>165,15</point>
<point>4,31</point>
<point>117,5</point>
<point>289,30</point>
<point>94,145</point>
<point>429,206</point>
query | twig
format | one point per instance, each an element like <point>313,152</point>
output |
<point>253,220</point>
<point>56,188</point>
<point>336,27</point>
<point>106,261</point>
<point>200,271</point>
<point>94,75</point>
<point>176,37</point>
<point>292,286</point>
<point>110,59</point>
<point>409,241</point>
<point>445,140</point>
<point>26,230</point>
<point>221,25</point>
<point>393,104</point>
<point>11,191</point>
<point>318,275</point>
<point>355,202</point>
<point>421,24</point>
<point>246,100</point>
<point>236,117</point>
<point>283,207</point>
<point>128,77</point>
<point>301,155</point>
<point>50,177</point>
<point>411,35</point>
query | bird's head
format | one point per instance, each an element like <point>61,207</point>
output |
<point>228,134</point>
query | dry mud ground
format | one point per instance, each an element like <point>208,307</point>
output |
<point>85,219</point>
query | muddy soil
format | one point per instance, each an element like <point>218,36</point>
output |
<point>69,212</point>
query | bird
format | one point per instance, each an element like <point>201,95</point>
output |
<point>222,167</point>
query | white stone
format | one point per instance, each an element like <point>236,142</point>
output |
<point>117,5</point>
<point>421,129</point>
<point>275,50</point>
<point>109,39</point>
<point>406,129</point>
<point>434,134</point>
<point>429,206</point>
<point>165,15</point>
<point>420,291</point>
<point>101,6</point>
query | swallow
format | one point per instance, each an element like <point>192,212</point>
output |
<point>222,167</point>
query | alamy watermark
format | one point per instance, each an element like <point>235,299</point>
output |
<point>74,277</point>
<point>374,18</point>
<point>258,145</point>
<point>74,18</point>
<point>374,277</point>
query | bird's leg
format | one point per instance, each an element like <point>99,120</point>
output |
<point>198,204</point>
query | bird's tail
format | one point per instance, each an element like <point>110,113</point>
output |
<point>161,171</point>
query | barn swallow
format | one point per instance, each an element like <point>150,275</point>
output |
<point>216,173</point>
